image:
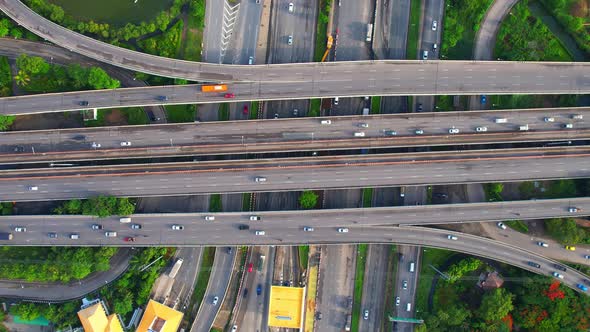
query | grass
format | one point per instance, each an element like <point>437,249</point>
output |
<point>131,115</point>
<point>433,257</point>
<point>321,37</point>
<point>359,279</point>
<point>413,30</point>
<point>429,195</point>
<point>367,197</point>
<point>214,329</point>
<point>203,277</point>
<point>303,256</point>
<point>5,78</point>
<point>312,283</point>
<point>215,203</point>
<point>254,109</point>
<point>315,107</point>
<point>180,113</point>
<point>246,201</point>
<point>518,225</point>
<point>135,116</point>
<point>191,44</point>
<point>223,112</point>
<point>375,105</point>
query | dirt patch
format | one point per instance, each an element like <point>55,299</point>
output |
<point>583,222</point>
<point>47,121</point>
<point>580,8</point>
<point>115,118</point>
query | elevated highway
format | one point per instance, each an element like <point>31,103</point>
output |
<point>286,135</point>
<point>238,176</point>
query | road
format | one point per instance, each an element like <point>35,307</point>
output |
<point>238,176</point>
<point>374,295</point>
<point>488,29</point>
<point>302,134</point>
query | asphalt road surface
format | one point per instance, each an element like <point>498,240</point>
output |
<point>238,176</point>
<point>373,298</point>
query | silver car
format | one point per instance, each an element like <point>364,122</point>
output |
<point>290,40</point>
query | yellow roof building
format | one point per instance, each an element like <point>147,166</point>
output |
<point>95,319</point>
<point>159,318</point>
<point>286,307</point>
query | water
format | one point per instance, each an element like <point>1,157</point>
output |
<point>115,12</point>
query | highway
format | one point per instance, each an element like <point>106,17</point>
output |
<point>284,135</point>
<point>238,176</point>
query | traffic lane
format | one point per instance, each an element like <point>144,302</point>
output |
<point>374,287</point>
<point>353,18</point>
<point>287,235</point>
<point>410,255</point>
<point>282,178</point>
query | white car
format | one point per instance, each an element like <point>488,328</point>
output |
<point>568,126</point>
<point>481,129</point>
<point>308,229</point>
<point>342,230</point>
<point>96,145</point>
<point>234,328</point>
<point>215,300</point>
<point>542,244</point>
<point>125,143</point>
<point>366,314</point>
<point>33,188</point>
<point>290,40</point>
<point>177,227</point>
<point>291,7</point>
<point>573,209</point>
<point>557,275</point>
<point>419,132</point>
<point>501,225</point>
<point>260,233</point>
<point>549,119</point>
<point>210,218</point>
<point>254,218</point>
<point>452,237</point>
<point>453,130</point>
<point>397,300</point>
<point>20,229</point>
<point>434,25</point>
<point>326,122</point>
<point>364,125</point>
<point>260,179</point>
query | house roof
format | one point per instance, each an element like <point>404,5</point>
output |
<point>493,280</point>
<point>159,318</point>
<point>94,319</point>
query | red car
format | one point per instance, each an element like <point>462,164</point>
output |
<point>250,267</point>
<point>129,239</point>
<point>245,111</point>
<point>229,95</point>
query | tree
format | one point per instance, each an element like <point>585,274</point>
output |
<point>27,311</point>
<point>99,79</point>
<point>4,27</point>
<point>495,305</point>
<point>22,78</point>
<point>565,230</point>
<point>32,64</point>
<point>457,270</point>
<point>308,199</point>
<point>6,121</point>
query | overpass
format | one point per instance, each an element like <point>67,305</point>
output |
<point>239,176</point>
<point>286,135</point>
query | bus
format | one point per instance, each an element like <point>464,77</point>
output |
<point>175,268</point>
<point>369,32</point>
<point>214,88</point>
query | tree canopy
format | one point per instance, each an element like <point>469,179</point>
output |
<point>308,199</point>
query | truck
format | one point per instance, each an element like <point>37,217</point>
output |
<point>175,268</point>
<point>5,236</point>
<point>260,263</point>
<point>214,88</point>
<point>369,32</point>
<point>348,322</point>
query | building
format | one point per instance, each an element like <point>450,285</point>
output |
<point>490,280</point>
<point>95,317</point>
<point>286,307</point>
<point>159,318</point>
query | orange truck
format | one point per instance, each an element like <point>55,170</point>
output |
<point>213,88</point>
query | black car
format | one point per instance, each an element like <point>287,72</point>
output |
<point>78,137</point>
<point>559,267</point>
<point>52,235</point>
<point>83,103</point>
<point>533,264</point>
<point>245,292</point>
<point>229,250</point>
<point>243,227</point>
<point>162,98</point>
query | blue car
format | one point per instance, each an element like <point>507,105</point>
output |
<point>259,289</point>
<point>582,287</point>
<point>483,99</point>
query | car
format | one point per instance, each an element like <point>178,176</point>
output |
<point>582,287</point>
<point>319,316</point>
<point>96,227</point>
<point>342,230</point>
<point>260,179</point>
<point>135,226</point>
<point>453,130</point>
<point>78,137</point>
<point>125,143</point>
<point>229,250</point>
<point>570,248</point>
<point>326,122</point>
<point>533,264</point>
<point>336,100</point>
<point>397,301</point>
<point>481,129</point>
<point>291,7</point>
<point>359,134</point>
<point>577,116</point>
<point>434,47</point>
<point>245,110</point>
<point>152,116</point>
<point>290,40</point>
<point>229,95</point>
<point>52,235</point>
<point>587,256</point>
<point>110,234</point>
<point>259,289</point>
<point>33,188</point>
<point>523,127</point>
<point>364,125</point>
<point>419,107</point>
<point>261,233</point>
<point>250,267</point>
<point>419,132</point>
<point>542,244</point>
<point>96,145</point>
<point>210,218</point>
<point>125,220</point>
<point>440,195</point>
<point>162,98</point>
<point>234,328</point>
<point>389,133</point>
<point>434,25</point>
<point>501,225</point>
<point>308,229</point>
<point>424,55</point>
<point>366,314</point>
<point>74,236</point>
<point>452,237</point>
<point>243,227</point>
<point>557,275</point>
<point>276,115</point>
<point>83,103</point>
<point>20,229</point>
<point>568,126</point>
<point>483,99</point>
<point>251,60</point>
<point>215,300</point>
<point>19,148</point>
<point>573,209</point>
<point>404,284</point>
<point>254,218</point>
<point>549,119</point>
<point>177,227</point>
<point>129,239</point>
<point>559,267</point>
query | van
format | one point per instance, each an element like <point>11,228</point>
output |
<point>125,220</point>
<point>409,307</point>
<point>501,120</point>
<point>110,234</point>
<point>523,127</point>
<point>434,47</point>
<point>326,122</point>
<point>412,266</point>
<point>359,134</point>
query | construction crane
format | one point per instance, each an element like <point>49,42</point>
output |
<point>328,47</point>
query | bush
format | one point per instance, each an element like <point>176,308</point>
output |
<point>464,266</point>
<point>308,199</point>
<point>101,206</point>
<point>493,191</point>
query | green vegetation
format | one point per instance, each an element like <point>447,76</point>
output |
<point>246,201</point>
<point>167,44</point>
<point>254,105</point>
<point>429,195</point>
<point>181,113</point>
<point>566,231</point>
<point>6,208</point>
<point>8,28</point>
<point>61,264</point>
<point>461,268</point>
<point>359,279</point>
<point>444,103</point>
<point>518,225</point>
<point>531,101</point>
<point>321,37</point>
<point>223,112</point>
<point>215,203</point>
<point>461,23</point>
<point>367,197</point>
<point>213,329</point>
<point>126,116</point>
<point>493,191</point>
<point>203,277</point>
<point>5,77</point>
<point>2,319</point>
<point>574,16</point>
<point>434,257</point>
<point>550,189</point>
<point>195,23</point>
<point>315,108</point>
<point>101,206</point>
<point>308,199</point>
<point>413,30</point>
<point>303,256</point>
<point>376,105</point>
<point>523,37</point>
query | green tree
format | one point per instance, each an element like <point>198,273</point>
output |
<point>27,311</point>
<point>16,33</point>
<point>22,78</point>
<point>4,27</point>
<point>308,199</point>
<point>78,76</point>
<point>99,79</point>
<point>495,305</point>
<point>32,65</point>
<point>6,121</point>
<point>124,304</point>
<point>565,230</point>
<point>459,269</point>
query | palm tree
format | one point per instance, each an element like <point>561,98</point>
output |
<point>22,78</point>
